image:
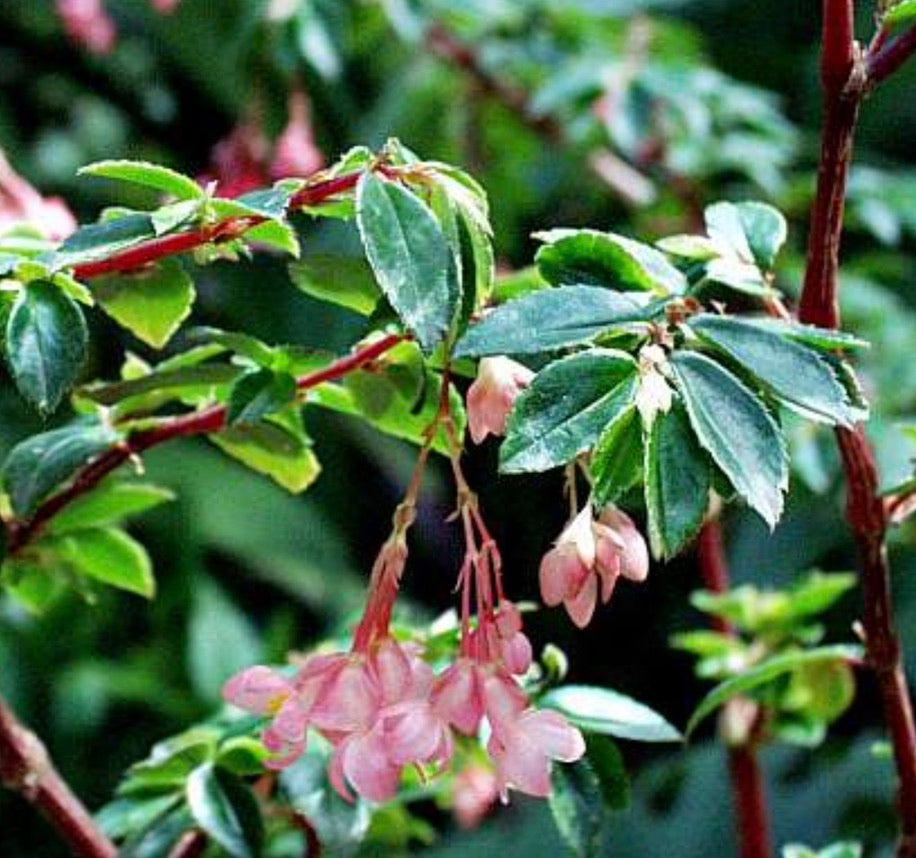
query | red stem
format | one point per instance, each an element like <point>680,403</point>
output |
<point>865,509</point>
<point>26,769</point>
<point>890,56</point>
<point>748,790</point>
<point>212,419</point>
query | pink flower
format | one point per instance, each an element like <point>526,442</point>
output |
<point>296,153</point>
<point>522,748</point>
<point>86,22</point>
<point>456,696</point>
<point>165,6</point>
<point>491,397</point>
<point>474,793</point>
<point>20,203</point>
<point>587,559</point>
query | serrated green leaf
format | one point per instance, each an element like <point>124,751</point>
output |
<point>765,672</point>
<point>678,479</point>
<point>151,303</point>
<point>257,394</point>
<point>410,256</point>
<point>547,320</point>
<point>617,461</point>
<point>100,240</point>
<point>823,339</point>
<point>46,343</point>
<point>593,258</point>
<point>577,805</point>
<point>566,408</point>
<point>601,710</point>
<point>149,175</point>
<point>345,281</point>
<point>796,375</point>
<point>755,231</point>
<point>108,555</point>
<point>38,465</point>
<point>734,427</point>
<point>226,810</point>
<point>109,503</point>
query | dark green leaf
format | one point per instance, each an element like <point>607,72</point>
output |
<point>577,805</point>
<point>600,710</point>
<point>149,175</point>
<point>101,240</point>
<point>151,303</point>
<point>241,344</point>
<point>755,231</point>
<point>109,503</point>
<point>733,425</point>
<point>766,671</point>
<point>410,256</point>
<point>677,482</point>
<point>125,817</point>
<point>548,319</point>
<point>617,461</point>
<point>259,393</point>
<point>158,839</point>
<point>793,373</point>
<point>823,339</point>
<point>340,280</point>
<point>607,763</point>
<point>168,381</point>
<point>226,810</point>
<point>41,463</point>
<point>589,257</point>
<point>46,343</point>
<point>35,582</point>
<point>566,408</point>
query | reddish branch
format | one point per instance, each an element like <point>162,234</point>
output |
<point>26,769</point>
<point>748,791</point>
<point>20,533</point>
<point>865,508</point>
<point>890,55</point>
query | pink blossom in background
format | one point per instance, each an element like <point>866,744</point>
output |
<point>165,6</point>
<point>20,203</point>
<point>87,23</point>
<point>296,153</point>
<point>475,791</point>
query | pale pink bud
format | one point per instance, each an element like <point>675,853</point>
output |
<point>516,653</point>
<point>86,22</point>
<point>581,604</point>
<point>474,793</point>
<point>634,553</point>
<point>491,397</point>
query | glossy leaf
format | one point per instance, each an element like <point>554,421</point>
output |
<point>344,281</point>
<point>226,810</point>
<point>735,428</point>
<point>109,503</point>
<point>577,805</point>
<point>547,320</point>
<point>607,762</point>
<point>566,408</point>
<point>38,465</point>
<point>767,671</point>
<point>169,762</point>
<point>257,394</point>
<point>149,175</point>
<point>46,343</point>
<point>755,231</point>
<point>600,710</point>
<point>589,257</point>
<point>796,375</point>
<point>677,482</point>
<point>823,339</point>
<point>100,240</point>
<point>151,303</point>
<point>410,256</point>
<point>617,461</point>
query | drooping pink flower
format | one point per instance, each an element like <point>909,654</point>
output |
<point>20,203</point>
<point>237,162</point>
<point>456,696</point>
<point>296,153</point>
<point>588,557</point>
<point>473,794</point>
<point>87,24</point>
<point>493,393</point>
<point>522,749</point>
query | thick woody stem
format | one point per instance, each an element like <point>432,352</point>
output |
<point>26,769</point>
<point>819,305</point>
<point>748,790</point>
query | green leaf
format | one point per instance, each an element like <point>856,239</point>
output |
<point>755,231</point>
<point>547,320</point>
<point>245,345</point>
<point>900,15</point>
<point>677,484</point>
<point>823,339</point>
<point>617,461</point>
<point>410,256</point>
<point>259,393</point>
<point>341,280</point>
<point>765,672</point>
<point>170,762</point>
<point>124,817</point>
<point>149,175</point>
<point>565,409</point>
<point>600,710</point>
<point>151,303</point>
<point>793,373</point>
<point>733,425</point>
<point>106,554</point>
<point>159,838</point>
<point>592,258</point>
<point>607,763</point>
<point>243,755</point>
<point>35,582</point>
<point>38,465</point>
<point>175,382</point>
<point>282,453</point>
<point>109,503</point>
<point>46,343</point>
<point>577,805</point>
<point>169,217</point>
<point>226,810</point>
<point>101,240</point>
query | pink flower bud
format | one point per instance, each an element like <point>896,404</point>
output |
<point>491,397</point>
<point>86,23</point>
<point>474,793</point>
<point>296,153</point>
